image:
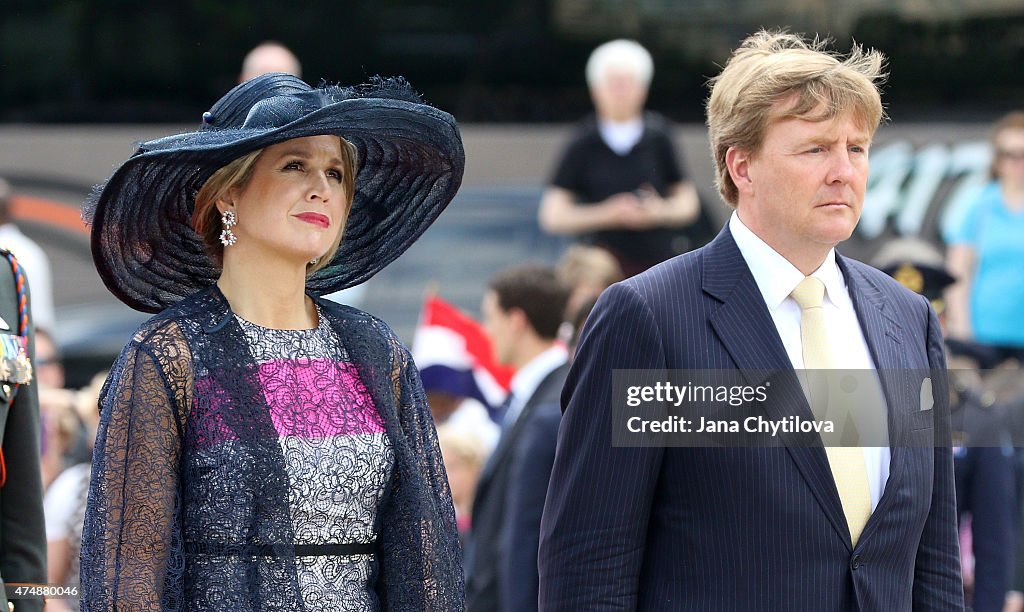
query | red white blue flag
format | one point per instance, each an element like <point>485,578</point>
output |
<point>454,354</point>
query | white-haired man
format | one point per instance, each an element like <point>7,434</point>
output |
<point>619,185</point>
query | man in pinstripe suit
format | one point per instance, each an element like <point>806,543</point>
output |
<point>734,528</point>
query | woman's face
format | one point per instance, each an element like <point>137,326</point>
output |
<point>1010,156</point>
<point>295,204</point>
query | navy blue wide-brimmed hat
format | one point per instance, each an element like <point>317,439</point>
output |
<point>411,162</point>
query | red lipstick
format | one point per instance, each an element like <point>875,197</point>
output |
<point>315,219</point>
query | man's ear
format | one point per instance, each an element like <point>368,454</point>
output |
<point>737,161</point>
<point>519,321</point>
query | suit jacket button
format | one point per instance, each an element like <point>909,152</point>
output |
<point>855,562</point>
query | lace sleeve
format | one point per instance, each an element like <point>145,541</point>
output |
<point>438,584</point>
<point>132,547</point>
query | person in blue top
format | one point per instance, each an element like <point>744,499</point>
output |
<point>986,252</point>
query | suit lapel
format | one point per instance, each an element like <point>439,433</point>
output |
<point>507,440</point>
<point>881,330</point>
<point>884,336</point>
<point>742,322</point>
<point>746,329</point>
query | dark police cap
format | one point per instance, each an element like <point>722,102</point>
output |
<point>917,265</point>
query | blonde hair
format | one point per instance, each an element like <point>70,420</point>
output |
<point>458,444</point>
<point>582,264</point>
<point>770,67</point>
<point>237,174</point>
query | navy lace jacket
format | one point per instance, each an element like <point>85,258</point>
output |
<point>150,499</point>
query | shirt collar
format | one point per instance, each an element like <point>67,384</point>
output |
<point>529,377</point>
<point>776,278</point>
<point>621,136</point>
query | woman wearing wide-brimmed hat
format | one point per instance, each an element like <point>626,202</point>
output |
<point>261,448</point>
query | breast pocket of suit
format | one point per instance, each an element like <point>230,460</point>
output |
<point>920,428</point>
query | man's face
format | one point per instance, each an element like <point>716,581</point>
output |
<point>619,96</point>
<point>498,325</point>
<point>802,193</point>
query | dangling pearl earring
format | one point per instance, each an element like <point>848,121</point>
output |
<point>228,219</point>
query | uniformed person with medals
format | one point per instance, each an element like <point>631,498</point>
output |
<point>22,530</point>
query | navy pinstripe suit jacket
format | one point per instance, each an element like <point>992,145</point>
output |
<point>740,528</point>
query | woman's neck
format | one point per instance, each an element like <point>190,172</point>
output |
<point>268,293</point>
<point>1013,195</point>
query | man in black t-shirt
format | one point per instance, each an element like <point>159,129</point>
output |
<point>619,184</point>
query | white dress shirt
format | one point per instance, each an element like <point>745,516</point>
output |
<point>776,278</point>
<point>528,378</point>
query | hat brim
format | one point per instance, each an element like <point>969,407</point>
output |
<point>411,162</point>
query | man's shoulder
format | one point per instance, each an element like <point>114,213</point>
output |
<point>657,125</point>
<point>5,267</point>
<point>657,291</point>
<point>8,251</point>
<point>550,387</point>
<point>585,133</point>
<point>860,273</point>
<point>542,422</point>
<point>680,270</point>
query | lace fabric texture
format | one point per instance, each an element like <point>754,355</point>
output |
<point>223,445</point>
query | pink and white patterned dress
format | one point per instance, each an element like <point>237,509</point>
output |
<point>338,458</point>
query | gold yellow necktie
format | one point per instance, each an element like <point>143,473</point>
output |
<point>847,462</point>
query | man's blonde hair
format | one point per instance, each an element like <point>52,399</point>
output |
<point>771,67</point>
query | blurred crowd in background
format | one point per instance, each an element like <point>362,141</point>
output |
<point>622,197</point>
